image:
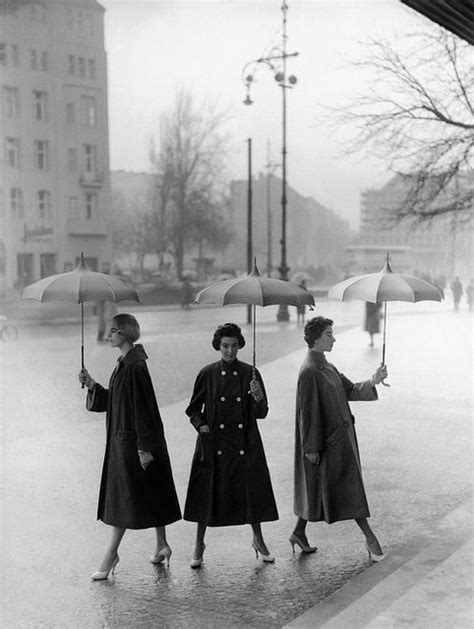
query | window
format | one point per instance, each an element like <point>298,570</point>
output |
<point>70,113</point>
<point>91,68</point>
<point>41,154</point>
<point>38,12</point>
<point>15,55</point>
<point>11,102</point>
<point>89,24</point>
<point>70,19</point>
<point>33,59</point>
<point>3,54</point>
<point>81,67</point>
<point>80,21</point>
<point>16,202</point>
<point>40,105</point>
<point>44,61</point>
<point>71,65</point>
<point>45,209</point>
<point>2,202</point>
<point>90,158</point>
<point>72,160</point>
<point>91,205</point>
<point>73,208</point>
<point>88,107</point>
<point>12,152</point>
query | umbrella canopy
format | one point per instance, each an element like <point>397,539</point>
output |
<point>78,286</point>
<point>256,290</point>
<point>385,286</point>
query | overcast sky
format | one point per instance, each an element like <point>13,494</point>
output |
<point>156,47</point>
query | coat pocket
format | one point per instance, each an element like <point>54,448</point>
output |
<point>335,438</point>
<point>126,435</point>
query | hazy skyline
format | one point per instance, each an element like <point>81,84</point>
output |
<point>155,48</point>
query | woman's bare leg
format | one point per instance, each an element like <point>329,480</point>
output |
<point>258,538</point>
<point>160,538</point>
<point>112,549</point>
<point>199,543</point>
<point>370,537</point>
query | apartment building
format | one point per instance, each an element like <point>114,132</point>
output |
<point>54,166</point>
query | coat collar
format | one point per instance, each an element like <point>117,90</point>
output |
<point>317,358</point>
<point>136,354</point>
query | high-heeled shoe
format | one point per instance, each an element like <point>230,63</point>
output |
<point>267,558</point>
<point>374,556</point>
<point>162,555</point>
<point>294,539</point>
<point>101,575</point>
<point>196,561</point>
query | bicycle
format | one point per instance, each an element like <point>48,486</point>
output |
<point>8,332</point>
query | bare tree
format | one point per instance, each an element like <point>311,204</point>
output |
<point>419,118</point>
<point>189,166</point>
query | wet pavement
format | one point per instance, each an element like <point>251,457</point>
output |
<point>416,451</point>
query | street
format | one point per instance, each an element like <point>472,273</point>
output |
<point>416,452</point>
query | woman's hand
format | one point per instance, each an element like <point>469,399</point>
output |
<point>84,378</point>
<point>146,458</point>
<point>204,429</point>
<point>379,375</point>
<point>256,390</point>
<point>313,457</point>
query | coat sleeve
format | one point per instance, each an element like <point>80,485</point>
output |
<point>97,399</point>
<point>195,410</point>
<point>309,413</point>
<point>260,408</point>
<point>147,420</point>
<point>358,391</point>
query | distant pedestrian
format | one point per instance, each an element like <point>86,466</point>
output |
<point>105,310</point>
<point>301,309</point>
<point>187,293</point>
<point>328,483</point>
<point>229,482</point>
<point>470,293</point>
<point>137,489</point>
<point>372,320</point>
<point>456,289</point>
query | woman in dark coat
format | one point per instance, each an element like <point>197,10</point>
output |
<point>372,319</point>
<point>229,482</point>
<point>328,477</point>
<point>137,489</point>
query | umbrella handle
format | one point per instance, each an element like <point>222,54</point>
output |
<point>82,339</point>
<point>254,340</point>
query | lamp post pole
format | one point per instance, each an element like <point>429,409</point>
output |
<point>278,57</point>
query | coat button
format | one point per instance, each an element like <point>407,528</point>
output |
<point>241,425</point>
<point>222,399</point>
<point>221,426</point>
<point>241,452</point>
<point>235,373</point>
<point>222,373</point>
<point>219,452</point>
<point>239,399</point>
<point>345,424</point>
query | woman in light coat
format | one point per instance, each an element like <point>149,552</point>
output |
<point>328,484</point>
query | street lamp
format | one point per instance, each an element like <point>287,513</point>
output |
<point>276,60</point>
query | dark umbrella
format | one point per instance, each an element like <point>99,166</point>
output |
<point>386,286</point>
<point>256,290</point>
<point>78,286</point>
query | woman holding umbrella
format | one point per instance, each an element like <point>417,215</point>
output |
<point>137,489</point>
<point>328,481</point>
<point>229,482</point>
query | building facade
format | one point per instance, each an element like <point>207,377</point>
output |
<point>54,171</point>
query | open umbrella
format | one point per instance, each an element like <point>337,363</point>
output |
<point>78,286</point>
<point>385,286</point>
<point>256,290</point>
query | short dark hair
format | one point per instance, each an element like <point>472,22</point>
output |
<point>227,329</point>
<point>314,328</point>
<point>128,326</point>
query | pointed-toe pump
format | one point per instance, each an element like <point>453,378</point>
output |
<point>267,558</point>
<point>162,555</point>
<point>374,556</point>
<point>196,561</point>
<point>101,575</point>
<point>294,539</point>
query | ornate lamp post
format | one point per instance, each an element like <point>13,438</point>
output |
<point>276,60</point>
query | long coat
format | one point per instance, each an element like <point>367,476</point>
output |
<point>129,496</point>
<point>229,481</point>
<point>334,489</point>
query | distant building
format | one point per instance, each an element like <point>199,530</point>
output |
<point>54,186</point>
<point>439,246</point>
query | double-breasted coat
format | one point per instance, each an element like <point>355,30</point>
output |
<point>334,489</point>
<point>229,481</point>
<point>131,497</point>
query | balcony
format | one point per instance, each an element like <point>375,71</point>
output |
<point>91,179</point>
<point>86,228</point>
